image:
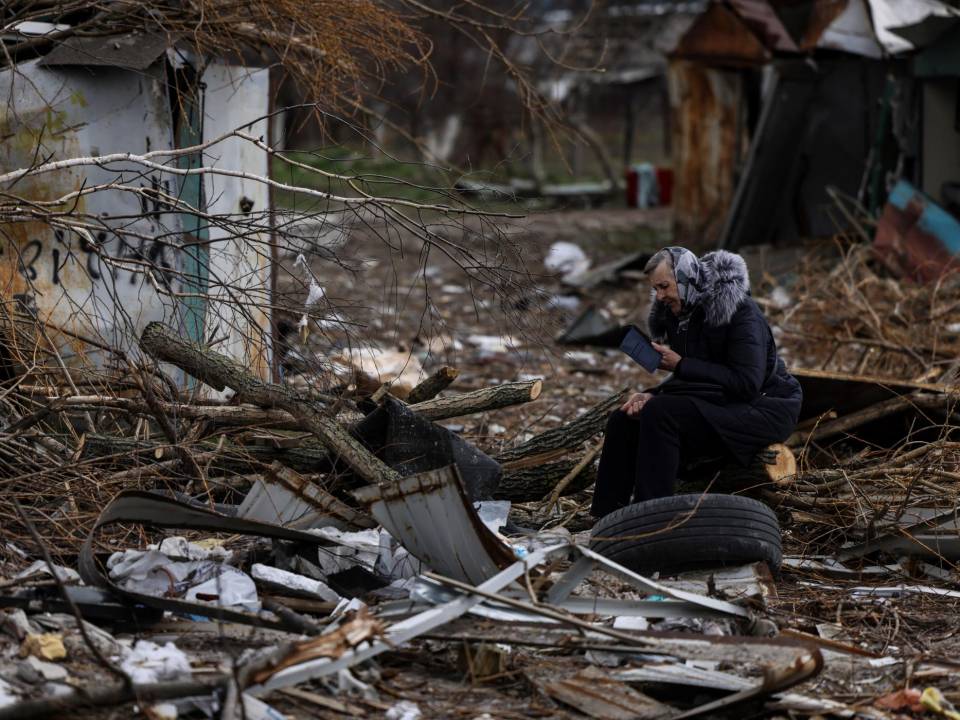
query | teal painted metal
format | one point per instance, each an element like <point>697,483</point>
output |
<point>932,220</point>
<point>942,59</point>
<point>196,251</point>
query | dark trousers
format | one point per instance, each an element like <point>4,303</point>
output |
<point>641,454</point>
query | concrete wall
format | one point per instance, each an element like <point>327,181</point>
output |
<point>59,274</point>
<point>93,283</point>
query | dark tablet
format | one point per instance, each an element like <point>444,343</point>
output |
<point>636,345</point>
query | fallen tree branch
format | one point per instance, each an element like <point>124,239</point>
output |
<point>111,696</point>
<point>433,385</point>
<point>219,372</point>
<point>482,400</point>
<point>565,437</point>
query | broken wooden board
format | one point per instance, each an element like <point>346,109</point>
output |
<point>597,695</point>
<point>846,393</point>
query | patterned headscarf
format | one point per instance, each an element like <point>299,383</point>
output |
<point>689,276</point>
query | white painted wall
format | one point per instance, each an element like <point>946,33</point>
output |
<point>73,112</point>
<point>238,316</point>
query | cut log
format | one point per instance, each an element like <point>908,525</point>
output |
<point>219,372</point>
<point>774,465</point>
<point>219,415</point>
<point>558,440</point>
<point>482,400</point>
<point>531,484</point>
<point>310,457</point>
<point>431,387</point>
<point>491,398</point>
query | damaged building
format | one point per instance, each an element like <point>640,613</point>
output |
<point>777,105</point>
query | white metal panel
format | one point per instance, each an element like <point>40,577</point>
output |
<point>888,14</point>
<point>238,316</point>
<point>74,112</point>
<point>852,32</point>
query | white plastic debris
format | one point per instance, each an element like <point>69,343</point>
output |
<point>780,298</point>
<point>40,567</point>
<point>404,710</point>
<point>494,343</point>
<point>493,513</point>
<point>292,581</point>
<point>164,711</point>
<point>353,548</point>
<point>314,294</point>
<point>153,573</point>
<point>179,548</point>
<point>373,550</point>
<point>399,368</point>
<point>147,662</point>
<point>627,622</point>
<point>46,670</point>
<point>7,696</point>
<point>567,259</point>
<point>564,302</point>
<point>257,709</point>
<point>581,357</point>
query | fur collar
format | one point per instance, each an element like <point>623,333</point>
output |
<point>726,285</point>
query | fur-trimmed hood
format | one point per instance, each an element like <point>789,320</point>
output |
<point>724,285</point>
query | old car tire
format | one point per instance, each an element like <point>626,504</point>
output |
<point>689,532</point>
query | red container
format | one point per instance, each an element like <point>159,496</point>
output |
<point>665,183</point>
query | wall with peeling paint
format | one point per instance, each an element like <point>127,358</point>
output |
<point>237,312</point>
<point>68,112</point>
<point>75,112</point>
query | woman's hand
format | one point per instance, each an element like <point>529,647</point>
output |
<point>635,403</point>
<point>670,358</point>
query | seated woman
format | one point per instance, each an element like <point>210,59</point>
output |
<point>730,393</point>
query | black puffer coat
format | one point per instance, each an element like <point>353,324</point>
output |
<point>729,360</point>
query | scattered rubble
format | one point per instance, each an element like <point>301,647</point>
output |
<point>254,564</point>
